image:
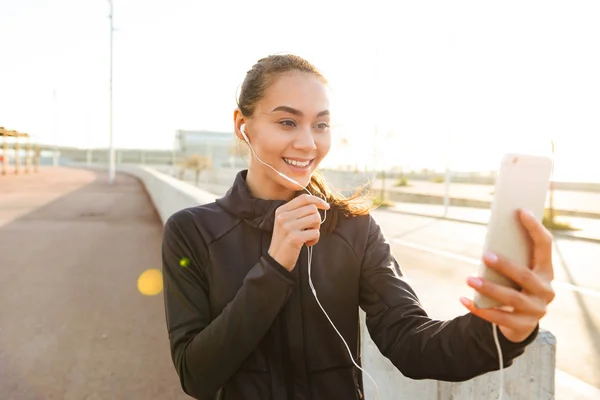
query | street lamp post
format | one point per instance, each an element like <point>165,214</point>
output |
<point>551,194</point>
<point>4,134</point>
<point>55,154</point>
<point>447,177</point>
<point>111,150</point>
<point>447,187</point>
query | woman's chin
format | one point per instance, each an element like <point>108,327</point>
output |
<point>298,185</point>
<point>299,177</point>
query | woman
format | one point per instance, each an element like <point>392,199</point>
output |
<point>243,322</point>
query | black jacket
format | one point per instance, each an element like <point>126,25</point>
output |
<point>243,327</point>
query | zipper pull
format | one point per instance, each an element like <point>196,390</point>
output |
<point>360,395</point>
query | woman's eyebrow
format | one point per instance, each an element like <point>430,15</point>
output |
<point>297,112</point>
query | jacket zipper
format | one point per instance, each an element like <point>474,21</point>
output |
<point>359,392</point>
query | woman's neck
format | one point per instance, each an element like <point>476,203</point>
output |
<point>262,186</point>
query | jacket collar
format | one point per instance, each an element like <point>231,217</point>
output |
<point>238,201</point>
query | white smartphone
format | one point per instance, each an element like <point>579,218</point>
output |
<point>522,183</point>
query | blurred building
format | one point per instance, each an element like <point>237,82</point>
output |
<point>221,147</point>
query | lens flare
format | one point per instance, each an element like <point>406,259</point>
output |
<point>184,262</point>
<point>150,282</point>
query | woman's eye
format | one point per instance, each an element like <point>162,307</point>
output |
<point>287,122</point>
<point>323,125</point>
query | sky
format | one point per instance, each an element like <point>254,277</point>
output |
<point>458,82</point>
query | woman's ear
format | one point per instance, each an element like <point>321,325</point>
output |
<point>238,121</point>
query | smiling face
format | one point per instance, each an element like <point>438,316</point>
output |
<point>289,130</point>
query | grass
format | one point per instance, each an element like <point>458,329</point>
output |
<point>401,182</point>
<point>381,202</point>
<point>554,225</point>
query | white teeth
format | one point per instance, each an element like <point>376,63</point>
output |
<point>296,163</point>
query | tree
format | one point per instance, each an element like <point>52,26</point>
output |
<point>197,164</point>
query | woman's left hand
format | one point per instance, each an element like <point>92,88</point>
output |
<point>529,304</point>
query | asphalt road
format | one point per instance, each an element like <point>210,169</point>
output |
<point>73,325</point>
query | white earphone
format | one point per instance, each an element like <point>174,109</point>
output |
<point>243,131</point>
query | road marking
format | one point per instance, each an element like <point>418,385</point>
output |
<point>581,390</point>
<point>475,261</point>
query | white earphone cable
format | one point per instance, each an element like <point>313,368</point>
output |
<point>310,252</point>
<point>333,325</point>
<point>500,360</point>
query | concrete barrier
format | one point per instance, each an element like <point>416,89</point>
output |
<point>168,194</point>
<point>530,377</point>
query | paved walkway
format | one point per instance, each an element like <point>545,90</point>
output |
<point>73,324</point>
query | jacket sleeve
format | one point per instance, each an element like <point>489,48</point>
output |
<point>207,350</point>
<point>420,347</point>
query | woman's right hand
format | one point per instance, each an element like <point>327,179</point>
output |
<point>296,223</point>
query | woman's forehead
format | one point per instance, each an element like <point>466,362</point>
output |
<point>300,91</point>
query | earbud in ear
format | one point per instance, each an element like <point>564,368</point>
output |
<point>243,130</point>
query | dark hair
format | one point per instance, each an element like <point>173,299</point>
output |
<point>257,80</point>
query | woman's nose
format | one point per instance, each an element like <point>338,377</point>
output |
<point>305,140</point>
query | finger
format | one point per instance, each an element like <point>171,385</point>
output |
<point>312,221</point>
<point>310,236</point>
<point>301,212</point>
<point>542,239</point>
<point>526,278</point>
<point>289,217</point>
<point>306,199</point>
<point>511,320</point>
<point>520,301</point>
